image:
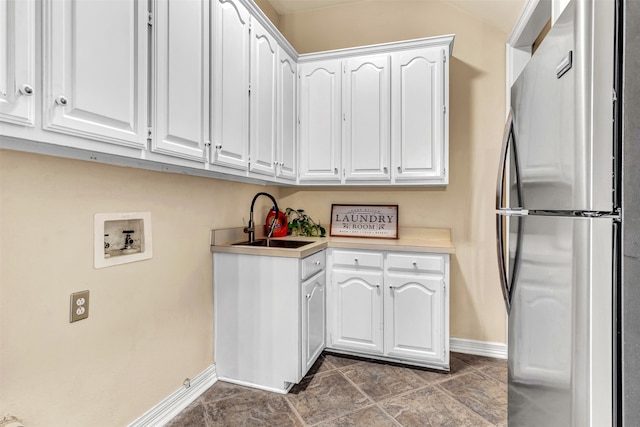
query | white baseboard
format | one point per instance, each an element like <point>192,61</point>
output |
<point>177,401</point>
<point>479,348</point>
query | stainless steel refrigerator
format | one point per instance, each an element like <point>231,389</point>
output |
<point>559,224</point>
<point>627,370</point>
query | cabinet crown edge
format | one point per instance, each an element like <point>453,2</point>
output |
<point>437,41</point>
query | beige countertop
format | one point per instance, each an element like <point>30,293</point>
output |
<point>435,240</point>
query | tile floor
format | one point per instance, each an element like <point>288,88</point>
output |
<point>342,392</point>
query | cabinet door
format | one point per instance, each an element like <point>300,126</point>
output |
<point>262,146</point>
<point>287,117</point>
<point>367,118</point>
<point>420,143</point>
<point>313,320</point>
<point>230,84</point>
<point>414,318</point>
<point>17,62</point>
<point>357,305</point>
<point>181,68</point>
<point>95,69</point>
<point>320,121</point>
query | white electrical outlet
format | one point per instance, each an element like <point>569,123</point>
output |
<point>79,306</point>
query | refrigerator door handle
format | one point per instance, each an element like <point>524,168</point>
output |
<point>504,212</point>
<point>508,130</point>
<point>509,141</point>
<point>502,268</point>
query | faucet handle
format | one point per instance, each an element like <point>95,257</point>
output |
<point>246,228</point>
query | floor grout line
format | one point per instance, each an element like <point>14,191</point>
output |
<point>454,396</point>
<point>295,411</point>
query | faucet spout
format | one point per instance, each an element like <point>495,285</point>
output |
<point>251,227</point>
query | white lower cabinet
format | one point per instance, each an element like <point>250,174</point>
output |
<point>269,318</point>
<point>313,320</point>
<point>414,318</point>
<point>357,310</point>
<point>390,305</point>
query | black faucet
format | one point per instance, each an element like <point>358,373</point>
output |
<point>251,228</point>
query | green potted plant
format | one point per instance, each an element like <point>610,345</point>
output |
<point>301,224</point>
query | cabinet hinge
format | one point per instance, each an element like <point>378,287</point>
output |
<point>149,133</point>
<point>344,117</point>
<point>150,18</point>
<point>207,150</point>
<point>444,56</point>
<point>249,88</point>
<point>444,109</point>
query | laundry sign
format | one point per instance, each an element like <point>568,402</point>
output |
<point>379,221</point>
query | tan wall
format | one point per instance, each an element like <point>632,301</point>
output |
<point>150,323</point>
<point>477,99</point>
<point>269,11</point>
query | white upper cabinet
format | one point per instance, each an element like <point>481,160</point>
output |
<point>419,118</point>
<point>392,117</point>
<point>95,69</point>
<point>366,118</point>
<point>263,100</point>
<point>320,125</point>
<point>286,153</point>
<point>211,85</point>
<point>17,62</point>
<point>181,119</point>
<point>230,84</point>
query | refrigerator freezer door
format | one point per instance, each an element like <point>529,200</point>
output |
<point>560,323</point>
<point>563,116</point>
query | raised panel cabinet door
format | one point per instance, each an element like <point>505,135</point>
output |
<point>414,317</point>
<point>287,117</point>
<point>419,120</point>
<point>181,69</point>
<point>320,120</point>
<point>313,320</point>
<point>358,311</point>
<point>367,118</point>
<point>263,101</point>
<point>17,62</point>
<point>230,84</point>
<point>95,69</point>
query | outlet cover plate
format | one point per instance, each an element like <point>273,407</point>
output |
<point>79,308</point>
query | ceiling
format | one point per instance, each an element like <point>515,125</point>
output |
<point>501,14</point>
